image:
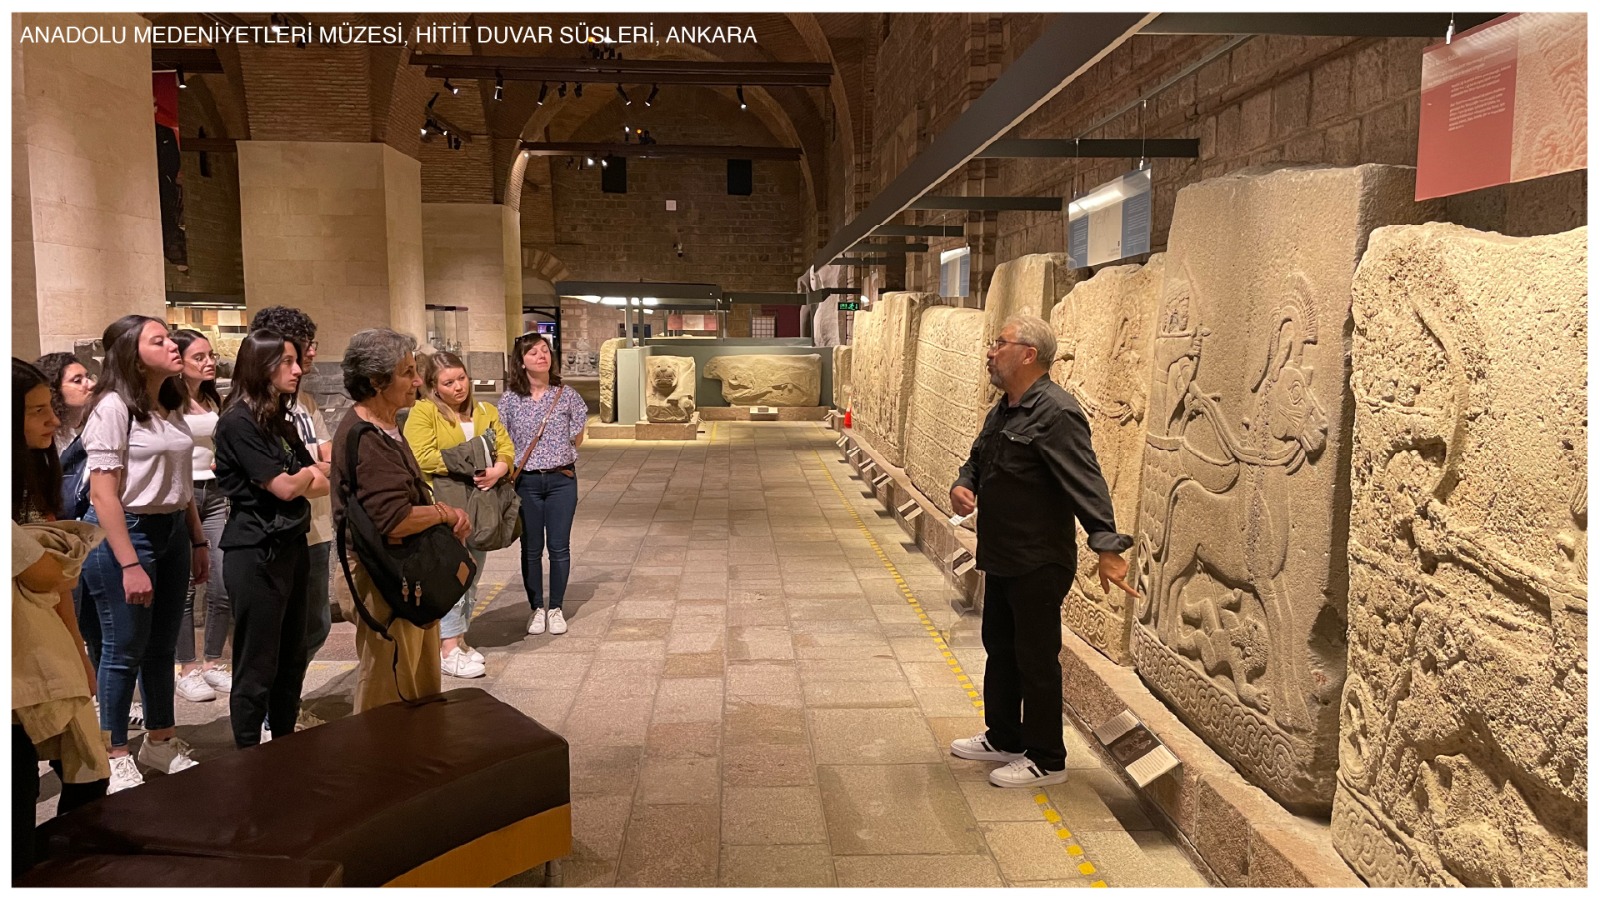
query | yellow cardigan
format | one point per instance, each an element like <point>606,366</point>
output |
<point>429,432</point>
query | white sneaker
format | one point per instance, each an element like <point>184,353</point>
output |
<point>978,747</point>
<point>219,677</point>
<point>266,733</point>
<point>307,720</point>
<point>136,716</point>
<point>558,622</point>
<point>124,774</point>
<point>536,623</point>
<point>194,688</point>
<point>1024,773</point>
<point>472,652</point>
<point>459,665</point>
<point>167,757</point>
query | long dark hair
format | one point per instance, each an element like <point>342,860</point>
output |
<point>259,354</point>
<point>36,484</point>
<point>209,396</point>
<point>517,376</point>
<point>123,371</point>
<point>437,362</point>
<point>55,366</point>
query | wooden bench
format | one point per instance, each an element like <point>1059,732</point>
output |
<point>459,791</point>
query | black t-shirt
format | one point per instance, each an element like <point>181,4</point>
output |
<point>247,458</point>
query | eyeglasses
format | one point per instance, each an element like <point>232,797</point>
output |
<point>997,343</point>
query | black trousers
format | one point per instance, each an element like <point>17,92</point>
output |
<point>25,798</point>
<point>1022,678</point>
<point>269,589</point>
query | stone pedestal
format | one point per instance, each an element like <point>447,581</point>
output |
<point>336,230</point>
<point>1245,486</point>
<point>1104,329</point>
<point>1463,744</point>
<point>465,264</point>
<point>85,210</point>
<point>666,431</point>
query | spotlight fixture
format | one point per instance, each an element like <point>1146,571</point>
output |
<point>423,132</point>
<point>577,89</point>
<point>627,134</point>
<point>626,100</point>
<point>604,163</point>
<point>651,100</point>
<point>544,91</point>
<point>561,90</point>
<point>180,78</point>
<point>451,88</point>
<point>499,85</point>
<point>739,92</point>
<point>588,160</point>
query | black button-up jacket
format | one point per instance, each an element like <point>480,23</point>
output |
<point>1033,470</point>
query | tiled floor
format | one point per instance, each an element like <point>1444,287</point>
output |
<point>760,684</point>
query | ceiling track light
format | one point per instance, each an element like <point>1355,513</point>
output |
<point>544,91</point>
<point>499,85</point>
<point>604,163</point>
<point>626,100</point>
<point>561,91</point>
<point>651,100</point>
<point>739,92</point>
<point>577,89</point>
<point>181,85</point>
<point>453,89</point>
<point>588,160</point>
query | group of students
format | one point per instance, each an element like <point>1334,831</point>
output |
<point>132,491</point>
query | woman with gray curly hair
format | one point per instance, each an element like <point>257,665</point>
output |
<point>380,374</point>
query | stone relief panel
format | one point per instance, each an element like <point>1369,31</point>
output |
<point>842,356</point>
<point>671,389</point>
<point>768,380</point>
<point>885,341</point>
<point>1104,331</point>
<point>1244,493</point>
<point>949,398</point>
<point>1463,751</point>
<point>608,378</point>
<point>1028,285</point>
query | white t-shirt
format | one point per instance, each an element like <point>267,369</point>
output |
<point>203,427</point>
<point>157,455</point>
<point>467,428</point>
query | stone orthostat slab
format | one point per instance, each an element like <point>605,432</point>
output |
<point>1028,285</point>
<point>608,378</point>
<point>669,383</point>
<point>1463,731</point>
<point>842,357</point>
<point>949,399</point>
<point>885,342</point>
<point>1104,333</point>
<point>751,380</point>
<point>1244,494</point>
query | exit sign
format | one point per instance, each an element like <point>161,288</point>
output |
<point>849,305</point>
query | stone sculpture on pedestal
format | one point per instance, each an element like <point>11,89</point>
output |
<point>671,389</point>
<point>1463,744</point>
<point>768,380</point>
<point>608,378</point>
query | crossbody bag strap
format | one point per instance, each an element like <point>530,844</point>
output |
<point>537,435</point>
<point>351,461</point>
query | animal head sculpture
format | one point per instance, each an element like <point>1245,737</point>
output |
<point>1284,394</point>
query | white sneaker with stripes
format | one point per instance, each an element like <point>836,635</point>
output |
<point>1025,773</point>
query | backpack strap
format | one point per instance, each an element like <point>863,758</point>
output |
<point>352,457</point>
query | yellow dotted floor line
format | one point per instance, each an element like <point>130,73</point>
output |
<point>494,591</point>
<point>1046,808</point>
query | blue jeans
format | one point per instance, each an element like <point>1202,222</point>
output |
<point>549,501</point>
<point>213,506</point>
<point>140,643</point>
<point>454,624</point>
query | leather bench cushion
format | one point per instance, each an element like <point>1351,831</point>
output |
<point>159,870</point>
<point>380,793</point>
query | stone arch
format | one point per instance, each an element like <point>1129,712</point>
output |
<point>544,264</point>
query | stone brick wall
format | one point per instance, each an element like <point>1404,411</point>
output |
<point>210,204</point>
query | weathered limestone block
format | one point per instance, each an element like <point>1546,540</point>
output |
<point>671,383</point>
<point>768,380</point>
<point>1244,493</point>
<point>1028,285</point>
<point>949,399</point>
<point>608,378</point>
<point>885,341</point>
<point>841,376</point>
<point>1104,333</point>
<point>1463,751</point>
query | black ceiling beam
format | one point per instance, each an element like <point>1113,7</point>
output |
<point>1068,46</point>
<point>990,204</point>
<point>825,293</point>
<point>919,231</point>
<point>862,261</point>
<point>765,298</point>
<point>890,248</point>
<point>659,151</point>
<point>1354,24</point>
<point>1094,148</point>
<point>625,71</point>
<point>194,60</point>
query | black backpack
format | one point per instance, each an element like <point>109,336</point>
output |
<point>421,577</point>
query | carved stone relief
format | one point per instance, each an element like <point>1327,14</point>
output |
<point>1104,329</point>
<point>608,378</point>
<point>949,399</point>
<point>670,380</point>
<point>885,343</point>
<point>1463,751</point>
<point>1244,494</point>
<point>1028,285</point>
<point>768,380</point>
<point>842,357</point>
